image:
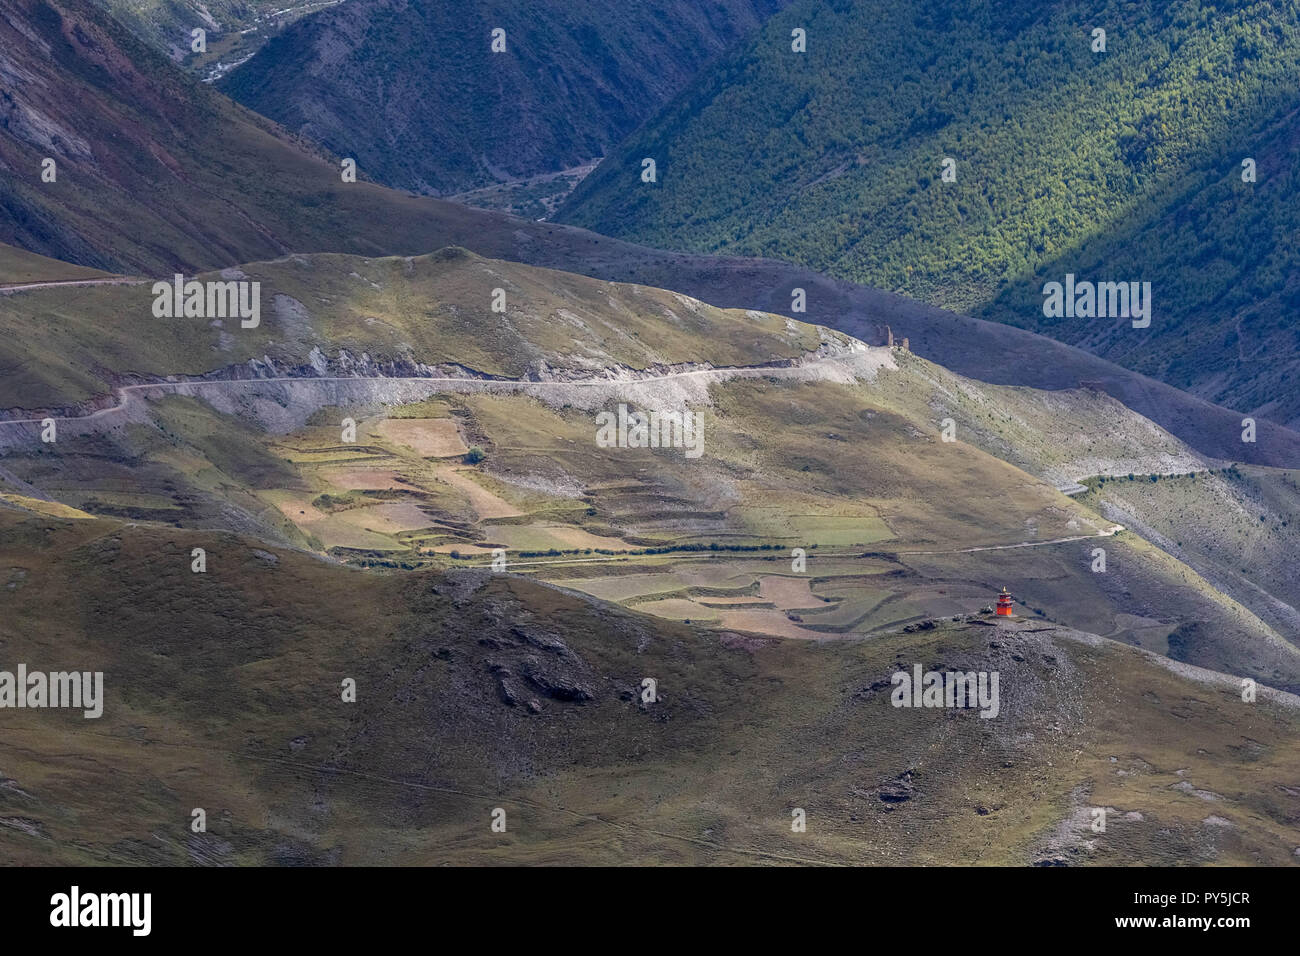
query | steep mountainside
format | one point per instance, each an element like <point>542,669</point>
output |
<point>155,171</point>
<point>1234,525</point>
<point>1124,165</point>
<point>158,173</point>
<point>233,28</point>
<point>415,92</point>
<point>167,23</point>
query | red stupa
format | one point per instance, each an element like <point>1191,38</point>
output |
<point>1004,603</point>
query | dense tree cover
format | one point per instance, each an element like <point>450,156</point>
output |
<point>1222,255</point>
<point>1121,166</point>
<point>414,91</point>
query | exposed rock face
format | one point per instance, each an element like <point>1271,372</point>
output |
<point>897,791</point>
<point>557,672</point>
<point>555,683</point>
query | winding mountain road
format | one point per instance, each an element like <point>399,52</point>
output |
<point>123,392</point>
<point>1025,544</point>
<point>65,283</point>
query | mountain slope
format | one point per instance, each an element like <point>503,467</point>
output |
<point>398,482</point>
<point>416,94</point>
<point>1224,253</point>
<point>1233,525</point>
<point>159,173</point>
<point>156,171</point>
<point>407,313</point>
<point>1117,166</point>
<point>234,29</point>
<point>520,690</point>
<point>807,439</point>
<point>20,267</point>
<point>222,691</point>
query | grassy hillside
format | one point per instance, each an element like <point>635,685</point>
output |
<point>18,266</point>
<point>1123,166</point>
<point>810,440</point>
<point>213,701</point>
<point>1235,525</point>
<point>415,92</point>
<point>400,313</point>
<point>1060,436</point>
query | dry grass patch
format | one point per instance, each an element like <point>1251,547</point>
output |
<point>427,437</point>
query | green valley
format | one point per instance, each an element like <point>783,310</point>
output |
<point>1121,165</point>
